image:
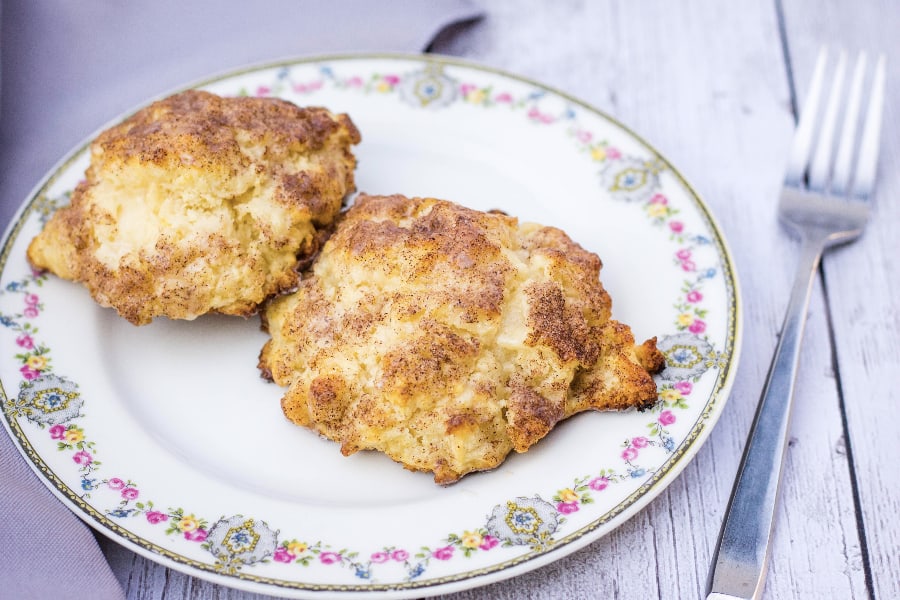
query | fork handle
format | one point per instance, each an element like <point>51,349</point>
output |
<point>739,562</point>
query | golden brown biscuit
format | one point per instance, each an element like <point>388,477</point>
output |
<point>199,203</point>
<point>447,337</point>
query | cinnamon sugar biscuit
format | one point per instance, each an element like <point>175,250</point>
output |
<point>447,337</point>
<point>200,203</point>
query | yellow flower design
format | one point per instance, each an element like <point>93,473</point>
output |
<point>383,87</point>
<point>657,210</point>
<point>598,153</point>
<point>36,362</point>
<point>188,523</point>
<point>297,548</point>
<point>568,495</point>
<point>74,435</point>
<point>471,539</point>
<point>670,395</point>
<point>685,319</point>
<point>476,96</point>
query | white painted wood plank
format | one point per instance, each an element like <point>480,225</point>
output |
<point>862,280</point>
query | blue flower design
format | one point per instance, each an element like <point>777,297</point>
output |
<point>88,484</point>
<point>6,321</point>
<point>668,443</point>
<point>524,521</point>
<point>363,573</point>
<point>429,88</point>
<point>13,286</point>
<point>639,472</point>
<point>50,399</point>
<point>687,356</point>
<point>120,513</point>
<point>416,571</point>
<point>630,179</point>
<point>241,540</point>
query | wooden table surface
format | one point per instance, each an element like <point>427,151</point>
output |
<point>715,86</point>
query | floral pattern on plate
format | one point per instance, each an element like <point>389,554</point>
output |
<point>53,404</point>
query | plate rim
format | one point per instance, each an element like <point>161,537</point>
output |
<point>623,511</point>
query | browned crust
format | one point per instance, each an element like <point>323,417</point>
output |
<point>447,338</point>
<point>192,157</point>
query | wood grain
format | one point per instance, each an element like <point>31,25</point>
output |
<point>860,280</point>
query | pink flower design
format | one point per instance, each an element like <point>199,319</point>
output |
<point>130,493</point>
<point>391,80</point>
<point>688,265</point>
<point>32,299</point>
<point>613,153</point>
<point>445,553</point>
<point>659,199</point>
<point>629,453</point>
<point>567,508</point>
<point>399,555</point>
<point>698,326</point>
<point>676,226</point>
<point>694,296</point>
<point>155,517</point>
<point>598,484</point>
<point>25,341</point>
<point>683,254</point>
<point>666,417</point>
<point>329,558</point>
<point>29,373</point>
<point>355,82</point>
<point>197,535</point>
<point>380,557</point>
<point>584,136</point>
<point>465,88</point>
<point>535,114</point>
<point>504,97</point>
<point>83,458</point>
<point>639,442</point>
<point>263,90</point>
<point>488,542</point>
<point>685,387</point>
<point>31,312</point>
<point>57,432</point>
<point>115,483</point>
<point>282,555</point>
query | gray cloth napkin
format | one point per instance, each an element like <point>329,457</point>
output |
<point>67,69</point>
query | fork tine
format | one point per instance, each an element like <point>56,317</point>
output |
<point>797,159</point>
<point>821,164</point>
<point>840,181</point>
<point>867,163</point>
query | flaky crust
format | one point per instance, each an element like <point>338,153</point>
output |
<point>447,337</point>
<point>200,203</point>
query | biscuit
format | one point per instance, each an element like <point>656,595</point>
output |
<point>200,203</point>
<point>447,337</point>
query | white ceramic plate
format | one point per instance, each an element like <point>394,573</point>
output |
<point>165,438</point>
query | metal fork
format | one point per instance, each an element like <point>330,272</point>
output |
<point>824,201</point>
